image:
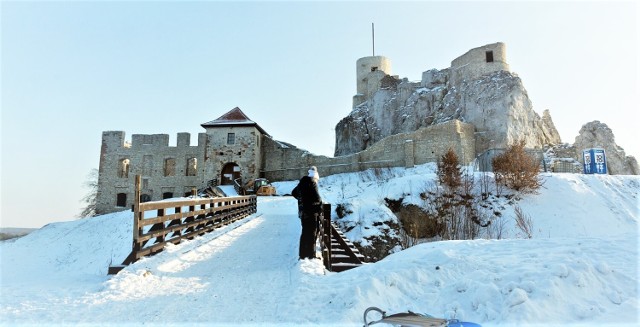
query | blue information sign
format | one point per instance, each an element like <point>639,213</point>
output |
<point>595,161</point>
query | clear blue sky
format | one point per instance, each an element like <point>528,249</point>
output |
<point>71,70</point>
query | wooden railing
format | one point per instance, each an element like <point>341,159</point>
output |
<point>155,224</point>
<point>338,253</point>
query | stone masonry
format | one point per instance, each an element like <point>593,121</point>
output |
<point>229,149</point>
<point>169,171</point>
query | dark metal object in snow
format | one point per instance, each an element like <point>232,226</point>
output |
<point>414,319</point>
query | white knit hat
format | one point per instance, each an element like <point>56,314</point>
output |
<point>313,173</point>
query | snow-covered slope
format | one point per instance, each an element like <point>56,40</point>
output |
<point>581,267</point>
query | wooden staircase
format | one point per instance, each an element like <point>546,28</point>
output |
<point>344,255</point>
<point>338,253</point>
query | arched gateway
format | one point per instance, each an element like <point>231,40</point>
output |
<point>230,172</point>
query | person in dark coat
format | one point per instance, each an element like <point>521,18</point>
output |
<point>308,196</point>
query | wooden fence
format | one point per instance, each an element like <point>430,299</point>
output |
<point>155,224</point>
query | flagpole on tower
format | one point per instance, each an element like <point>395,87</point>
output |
<point>373,40</point>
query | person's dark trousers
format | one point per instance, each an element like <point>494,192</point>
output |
<point>308,236</point>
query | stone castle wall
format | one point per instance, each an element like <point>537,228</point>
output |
<point>153,158</point>
<point>285,162</point>
<point>172,171</point>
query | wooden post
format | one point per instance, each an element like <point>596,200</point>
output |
<point>161,226</point>
<point>137,215</point>
<point>326,235</point>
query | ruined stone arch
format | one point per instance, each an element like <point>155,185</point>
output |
<point>230,171</point>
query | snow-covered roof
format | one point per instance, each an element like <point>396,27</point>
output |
<point>235,117</point>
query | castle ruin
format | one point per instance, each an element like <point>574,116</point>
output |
<point>233,146</point>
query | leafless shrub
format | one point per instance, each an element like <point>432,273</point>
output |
<point>449,172</point>
<point>497,228</point>
<point>365,176</point>
<point>382,174</point>
<point>408,237</point>
<point>452,202</point>
<point>485,182</point>
<point>523,222</point>
<point>516,169</point>
<point>343,186</point>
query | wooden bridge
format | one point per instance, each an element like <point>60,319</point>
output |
<point>155,224</point>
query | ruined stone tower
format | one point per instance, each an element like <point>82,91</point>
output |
<point>369,73</point>
<point>479,61</point>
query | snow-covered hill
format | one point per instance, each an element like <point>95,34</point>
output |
<point>581,267</point>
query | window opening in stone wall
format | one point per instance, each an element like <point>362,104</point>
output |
<point>489,55</point>
<point>145,198</point>
<point>192,166</point>
<point>123,169</point>
<point>231,138</point>
<point>121,200</point>
<point>373,69</point>
<point>170,167</point>
<point>167,195</point>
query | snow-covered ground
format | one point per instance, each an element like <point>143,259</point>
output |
<point>580,269</point>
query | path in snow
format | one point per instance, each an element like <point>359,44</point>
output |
<point>251,267</point>
<point>241,273</point>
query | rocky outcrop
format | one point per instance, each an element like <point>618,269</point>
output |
<point>598,135</point>
<point>548,128</point>
<point>496,104</point>
<point>479,89</point>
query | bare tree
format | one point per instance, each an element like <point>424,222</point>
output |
<point>485,182</point>
<point>90,198</point>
